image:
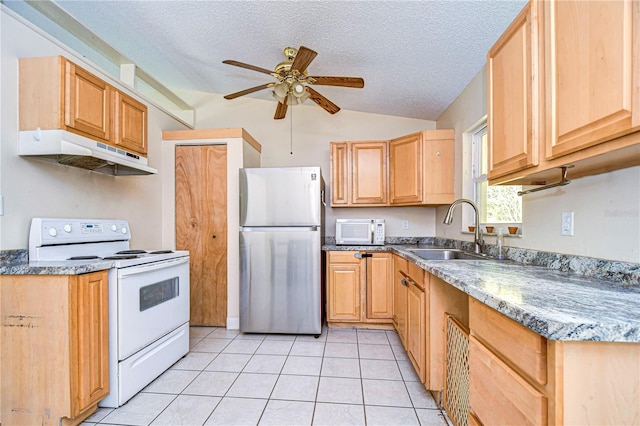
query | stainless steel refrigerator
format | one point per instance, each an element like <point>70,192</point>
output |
<point>281,230</point>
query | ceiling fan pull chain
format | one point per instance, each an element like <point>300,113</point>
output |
<point>291,133</point>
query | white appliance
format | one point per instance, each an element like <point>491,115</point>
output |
<point>148,296</point>
<point>360,232</point>
<point>281,217</point>
<point>71,149</point>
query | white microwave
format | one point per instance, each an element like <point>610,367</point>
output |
<point>360,232</point>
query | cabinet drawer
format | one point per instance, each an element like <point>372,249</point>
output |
<point>417,275</point>
<point>524,348</point>
<point>343,257</point>
<point>498,395</point>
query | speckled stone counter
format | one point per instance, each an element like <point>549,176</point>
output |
<point>15,262</point>
<point>557,304</point>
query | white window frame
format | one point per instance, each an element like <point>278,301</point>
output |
<point>472,176</point>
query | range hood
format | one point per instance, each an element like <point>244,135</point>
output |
<point>63,147</point>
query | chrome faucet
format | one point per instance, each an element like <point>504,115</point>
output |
<point>479,242</point>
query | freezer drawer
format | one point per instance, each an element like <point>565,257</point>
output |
<point>280,280</point>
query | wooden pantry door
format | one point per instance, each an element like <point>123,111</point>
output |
<point>201,228</point>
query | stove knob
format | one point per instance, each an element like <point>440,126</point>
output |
<point>114,228</point>
<point>53,232</point>
<point>67,228</point>
<point>124,230</point>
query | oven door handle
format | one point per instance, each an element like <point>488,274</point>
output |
<point>123,272</point>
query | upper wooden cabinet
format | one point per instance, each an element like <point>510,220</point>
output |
<point>416,169</point>
<point>421,168</point>
<point>359,173</point>
<point>513,97</point>
<point>369,173</point>
<point>55,93</point>
<point>563,90</point>
<point>130,123</point>
<point>591,77</point>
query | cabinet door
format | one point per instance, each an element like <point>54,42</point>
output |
<point>339,173</point>
<point>369,173</point>
<point>416,329</point>
<point>130,123</point>
<point>91,340</point>
<point>405,170</point>
<point>87,103</point>
<point>201,228</point>
<point>513,97</point>
<point>380,286</point>
<point>343,292</point>
<point>591,80</point>
<point>400,298</point>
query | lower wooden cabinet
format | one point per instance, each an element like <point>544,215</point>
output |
<point>400,268</point>
<point>417,327</point>
<point>55,355</point>
<point>359,287</point>
<point>499,395</point>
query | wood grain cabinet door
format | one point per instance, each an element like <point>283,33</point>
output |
<point>201,228</point>
<point>130,123</point>
<point>405,170</point>
<point>416,329</point>
<point>339,152</point>
<point>592,75</point>
<point>343,292</point>
<point>87,103</point>
<point>369,173</point>
<point>91,326</point>
<point>400,298</point>
<point>379,286</point>
<point>513,97</point>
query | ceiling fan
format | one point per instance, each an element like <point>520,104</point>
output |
<point>294,83</point>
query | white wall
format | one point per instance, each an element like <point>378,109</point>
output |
<point>605,206</point>
<point>33,188</point>
<point>313,129</point>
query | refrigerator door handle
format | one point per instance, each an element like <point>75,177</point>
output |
<point>278,228</point>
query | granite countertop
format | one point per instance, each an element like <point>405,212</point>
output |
<point>555,304</point>
<point>19,265</point>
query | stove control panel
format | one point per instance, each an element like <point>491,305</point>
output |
<point>55,231</point>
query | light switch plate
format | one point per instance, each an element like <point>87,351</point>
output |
<point>567,223</point>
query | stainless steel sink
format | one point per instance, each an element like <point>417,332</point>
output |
<point>447,254</point>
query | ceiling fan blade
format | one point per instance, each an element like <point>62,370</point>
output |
<point>281,111</point>
<point>247,91</point>
<point>356,82</point>
<point>303,59</point>
<point>247,66</point>
<point>325,103</point>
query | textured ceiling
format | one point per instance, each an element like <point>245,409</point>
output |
<point>416,57</point>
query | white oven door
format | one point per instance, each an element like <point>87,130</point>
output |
<point>153,300</point>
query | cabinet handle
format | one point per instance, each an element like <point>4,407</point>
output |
<point>357,255</point>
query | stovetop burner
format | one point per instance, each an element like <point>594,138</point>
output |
<point>121,257</point>
<point>161,252</point>
<point>131,252</point>
<point>83,258</point>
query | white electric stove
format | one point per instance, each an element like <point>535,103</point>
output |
<point>148,296</point>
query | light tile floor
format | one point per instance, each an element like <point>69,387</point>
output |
<point>345,377</point>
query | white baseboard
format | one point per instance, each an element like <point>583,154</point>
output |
<point>233,323</point>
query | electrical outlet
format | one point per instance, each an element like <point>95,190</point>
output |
<point>1,205</point>
<point>405,224</point>
<point>567,223</point>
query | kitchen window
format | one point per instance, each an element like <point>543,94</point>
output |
<point>497,204</point>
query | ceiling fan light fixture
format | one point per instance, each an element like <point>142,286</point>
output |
<point>298,89</point>
<point>281,90</point>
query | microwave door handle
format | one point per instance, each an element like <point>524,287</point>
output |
<point>373,233</point>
